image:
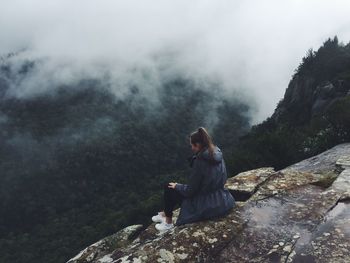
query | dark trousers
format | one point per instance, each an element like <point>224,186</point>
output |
<point>171,198</point>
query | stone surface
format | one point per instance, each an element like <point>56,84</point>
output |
<point>344,161</point>
<point>277,224</point>
<point>329,241</point>
<point>282,181</point>
<point>324,162</point>
<point>243,185</point>
<point>98,252</point>
<point>342,184</point>
<point>290,215</point>
<point>200,241</point>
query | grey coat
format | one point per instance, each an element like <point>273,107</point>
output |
<point>205,195</point>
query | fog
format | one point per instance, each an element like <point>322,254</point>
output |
<point>250,47</point>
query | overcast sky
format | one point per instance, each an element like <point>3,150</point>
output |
<point>250,45</point>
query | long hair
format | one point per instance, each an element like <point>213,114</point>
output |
<point>202,137</point>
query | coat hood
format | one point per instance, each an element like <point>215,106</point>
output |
<point>217,156</point>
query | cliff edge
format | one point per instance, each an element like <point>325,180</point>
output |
<point>297,214</point>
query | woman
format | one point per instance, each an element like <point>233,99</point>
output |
<point>204,197</point>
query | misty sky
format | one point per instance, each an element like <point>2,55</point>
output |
<point>251,45</point>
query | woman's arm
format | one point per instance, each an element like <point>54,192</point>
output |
<point>194,182</point>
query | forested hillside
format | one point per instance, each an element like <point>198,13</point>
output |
<point>78,163</point>
<point>313,115</point>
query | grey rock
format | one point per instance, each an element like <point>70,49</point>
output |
<point>243,185</point>
<point>98,252</point>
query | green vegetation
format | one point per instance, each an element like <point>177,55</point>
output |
<point>296,130</point>
<point>81,164</point>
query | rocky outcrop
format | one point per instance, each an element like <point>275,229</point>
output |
<point>298,214</point>
<point>101,248</point>
<point>245,184</point>
<point>306,98</point>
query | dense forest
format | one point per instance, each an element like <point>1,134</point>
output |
<point>79,163</point>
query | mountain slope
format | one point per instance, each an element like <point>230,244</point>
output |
<point>313,115</point>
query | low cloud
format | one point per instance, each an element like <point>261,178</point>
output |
<point>250,47</point>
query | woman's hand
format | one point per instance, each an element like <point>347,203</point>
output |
<point>172,185</point>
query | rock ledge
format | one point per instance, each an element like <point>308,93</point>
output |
<point>298,214</point>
